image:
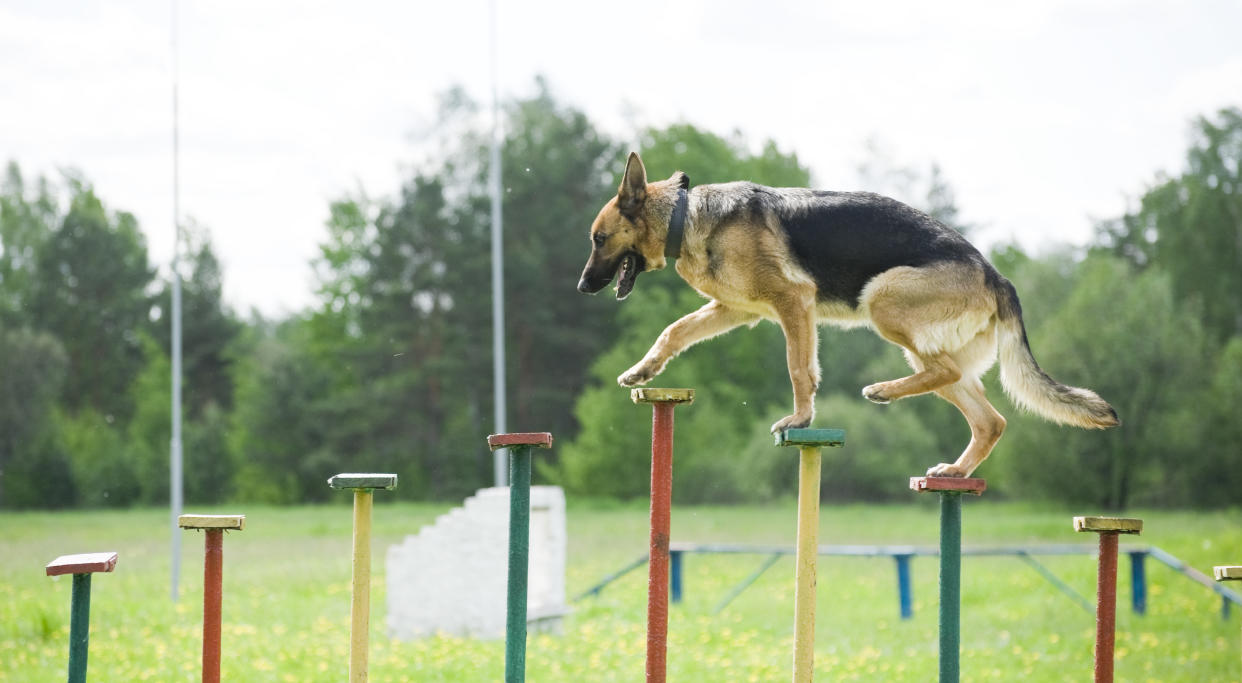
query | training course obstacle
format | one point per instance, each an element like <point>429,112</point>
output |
<point>81,567</point>
<point>363,486</point>
<point>662,403</point>
<point>950,490</point>
<point>1108,529</point>
<point>809,443</point>
<point>213,582</point>
<point>519,445</point>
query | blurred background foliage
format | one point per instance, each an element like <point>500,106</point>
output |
<point>391,370</point>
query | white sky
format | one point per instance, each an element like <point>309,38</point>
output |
<point>1042,115</point>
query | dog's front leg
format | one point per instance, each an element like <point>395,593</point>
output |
<point>797,319</point>
<point>712,319</point>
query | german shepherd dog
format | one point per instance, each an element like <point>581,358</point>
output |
<point>801,257</point>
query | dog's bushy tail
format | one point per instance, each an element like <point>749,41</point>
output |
<point>1028,385</point>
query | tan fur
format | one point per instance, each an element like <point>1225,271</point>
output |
<point>944,316</point>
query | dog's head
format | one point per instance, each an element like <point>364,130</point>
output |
<point>623,243</point>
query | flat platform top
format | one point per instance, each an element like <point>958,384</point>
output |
<point>236,522</point>
<point>1121,525</point>
<point>650,395</point>
<point>974,486</point>
<point>84,563</point>
<point>540,439</point>
<point>1227,573</point>
<point>811,437</point>
<point>370,480</point>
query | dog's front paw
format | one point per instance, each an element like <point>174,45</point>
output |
<point>875,394</point>
<point>945,469</point>
<point>794,421</point>
<point>635,376</point>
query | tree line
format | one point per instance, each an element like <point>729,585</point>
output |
<point>390,369</point>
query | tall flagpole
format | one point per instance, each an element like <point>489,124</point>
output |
<point>500,458</point>
<point>174,455</point>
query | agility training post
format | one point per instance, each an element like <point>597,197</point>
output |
<point>519,445</point>
<point>950,490</point>
<point>1106,585</point>
<point>1228,573</point>
<point>662,403</point>
<point>809,442</point>
<point>213,582</point>
<point>81,567</point>
<point>363,486</point>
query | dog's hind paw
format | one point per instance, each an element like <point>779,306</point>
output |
<point>791,422</point>
<point>945,469</point>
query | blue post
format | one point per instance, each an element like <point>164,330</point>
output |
<point>904,597</point>
<point>1138,581</point>
<point>674,557</point>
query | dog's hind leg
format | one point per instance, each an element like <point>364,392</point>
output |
<point>986,426</point>
<point>708,321</point>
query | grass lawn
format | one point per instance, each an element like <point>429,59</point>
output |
<point>286,602</point>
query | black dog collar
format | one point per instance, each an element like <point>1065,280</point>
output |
<point>677,225</point>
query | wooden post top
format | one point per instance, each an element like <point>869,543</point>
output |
<point>973,486</point>
<point>811,437</point>
<point>371,480</point>
<point>84,563</point>
<point>540,439</point>
<point>1227,573</point>
<point>233,522</point>
<point>650,395</point>
<point>1119,525</point>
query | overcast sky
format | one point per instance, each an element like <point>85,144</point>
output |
<point>1042,115</point>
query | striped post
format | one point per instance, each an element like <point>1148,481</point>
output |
<point>1227,573</point>
<point>1106,586</point>
<point>809,443</point>
<point>363,486</point>
<point>950,490</point>
<point>80,567</point>
<point>213,582</point>
<point>662,402</point>
<point>519,445</point>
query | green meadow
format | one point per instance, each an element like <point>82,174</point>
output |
<point>287,577</point>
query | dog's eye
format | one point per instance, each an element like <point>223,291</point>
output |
<point>599,238</point>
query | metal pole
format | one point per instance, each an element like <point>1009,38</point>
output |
<point>519,563</point>
<point>175,455</point>
<point>79,627</point>
<point>498,272</point>
<point>1106,586</point>
<point>658,565</point>
<point>360,607</point>
<point>950,585</point>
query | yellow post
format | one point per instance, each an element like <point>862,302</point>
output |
<point>808,552</point>
<point>361,613</point>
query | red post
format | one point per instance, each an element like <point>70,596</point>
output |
<point>213,588</point>
<point>1106,608</point>
<point>662,402</point>
<point>661,502</point>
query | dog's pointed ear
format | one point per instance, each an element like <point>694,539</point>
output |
<point>680,180</point>
<point>633,190</point>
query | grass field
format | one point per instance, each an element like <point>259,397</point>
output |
<point>286,604</point>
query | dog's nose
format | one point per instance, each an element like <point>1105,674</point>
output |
<point>583,286</point>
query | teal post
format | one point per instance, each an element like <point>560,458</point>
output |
<point>519,446</point>
<point>79,627</point>
<point>80,567</point>
<point>950,584</point>
<point>950,490</point>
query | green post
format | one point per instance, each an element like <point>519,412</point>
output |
<point>81,567</point>
<point>950,490</point>
<point>519,446</point>
<point>79,627</point>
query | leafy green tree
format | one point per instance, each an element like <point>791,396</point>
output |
<point>27,217</point>
<point>1191,225</point>
<point>32,471</point>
